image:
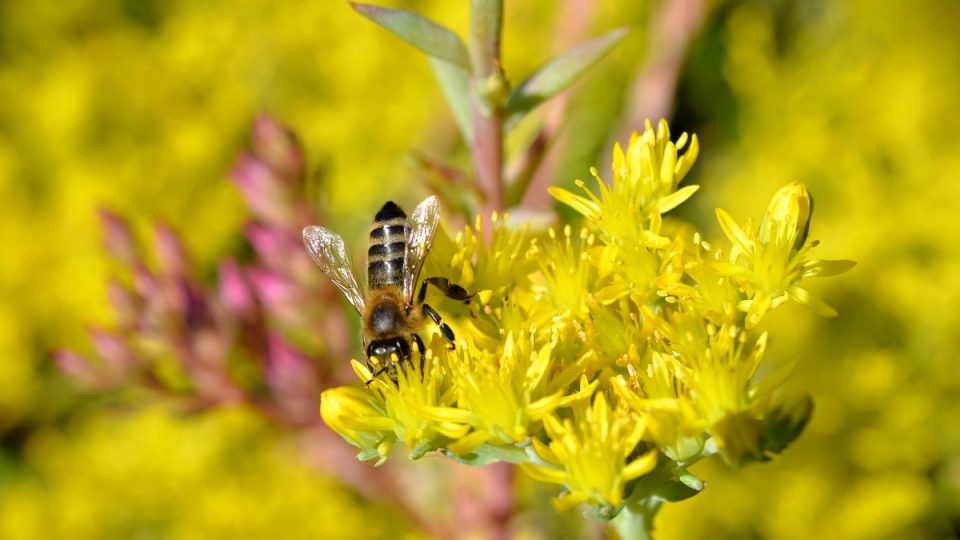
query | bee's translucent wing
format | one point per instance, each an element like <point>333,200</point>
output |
<point>330,254</point>
<point>423,223</point>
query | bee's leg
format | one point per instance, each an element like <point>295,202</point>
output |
<point>450,290</point>
<point>419,343</point>
<point>421,349</point>
<point>373,376</point>
<point>444,329</point>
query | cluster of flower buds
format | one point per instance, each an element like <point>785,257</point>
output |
<point>251,336</point>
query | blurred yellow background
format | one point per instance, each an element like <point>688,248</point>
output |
<point>142,106</point>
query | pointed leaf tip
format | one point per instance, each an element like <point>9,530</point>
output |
<point>559,73</point>
<point>433,39</point>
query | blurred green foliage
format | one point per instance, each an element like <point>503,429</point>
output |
<point>142,106</point>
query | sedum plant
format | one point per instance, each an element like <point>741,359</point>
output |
<point>604,356</point>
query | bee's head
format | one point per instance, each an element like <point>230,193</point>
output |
<point>384,348</point>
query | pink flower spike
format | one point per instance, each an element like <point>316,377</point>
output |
<point>292,380</point>
<point>234,290</point>
<point>123,303</point>
<point>114,351</point>
<point>271,287</point>
<point>278,147</point>
<point>271,244</point>
<point>265,194</point>
<point>279,296</point>
<point>78,368</point>
<point>144,283</point>
<point>171,255</point>
<point>117,237</point>
<point>284,360</point>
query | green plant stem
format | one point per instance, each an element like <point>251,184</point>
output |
<point>635,520</point>
<point>630,526</point>
<point>486,20</point>
<point>487,97</point>
<point>501,505</point>
<point>486,101</point>
<point>487,153</point>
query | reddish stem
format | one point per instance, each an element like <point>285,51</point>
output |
<point>487,154</point>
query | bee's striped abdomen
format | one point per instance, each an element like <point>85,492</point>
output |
<point>388,244</point>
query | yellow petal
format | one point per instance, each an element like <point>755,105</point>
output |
<point>734,232</point>
<point>544,451</point>
<point>469,443</point>
<point>687,159</point>
<point>589,209</point>
<point>758,308</point>
<point>452,431</point>
<point>361,370</point>
<point>544,406</point>
<point>568,501</point>
<point>803,296</point>
<point>822,268</point>
<point>544,474</point>
<point>640,466</point>
<point>445,414</point>
<point>584,392</point>
<point>667,166</point>
<point>675,199</point>
<point>363,423</point>
<point>729,269</point>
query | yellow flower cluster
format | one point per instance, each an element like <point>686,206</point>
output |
<point>856,102</point>
<point>215,475</point>
<point>595,356</point>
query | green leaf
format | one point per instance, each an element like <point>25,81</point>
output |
<point>634,520</point>
<point>559,73</point>
<point>429,446</point>
<point>786,421</point>
<point>691,482</point>
<point>486,22</point>
<point>433,39</point>
<point>367,454</point>
<point>454,82</point>
<point>667,482</point>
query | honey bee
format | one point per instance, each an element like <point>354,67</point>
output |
<point>390,314</point>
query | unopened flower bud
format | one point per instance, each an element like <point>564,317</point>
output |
<point>123,303</point>
<point>235,292</point>
<point>171,255</point>
<point>144,283</point>
<point>78,368</point>
<point>270,287</point>
<point>787,220</point>
<point>271,244</point>
<point>117,237</point>
<point>349,411</point>
<point>278,148</point>
<point>278,295</point>
<point>291,378</point>
<point>113,349</point>
<point>265,193</point>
